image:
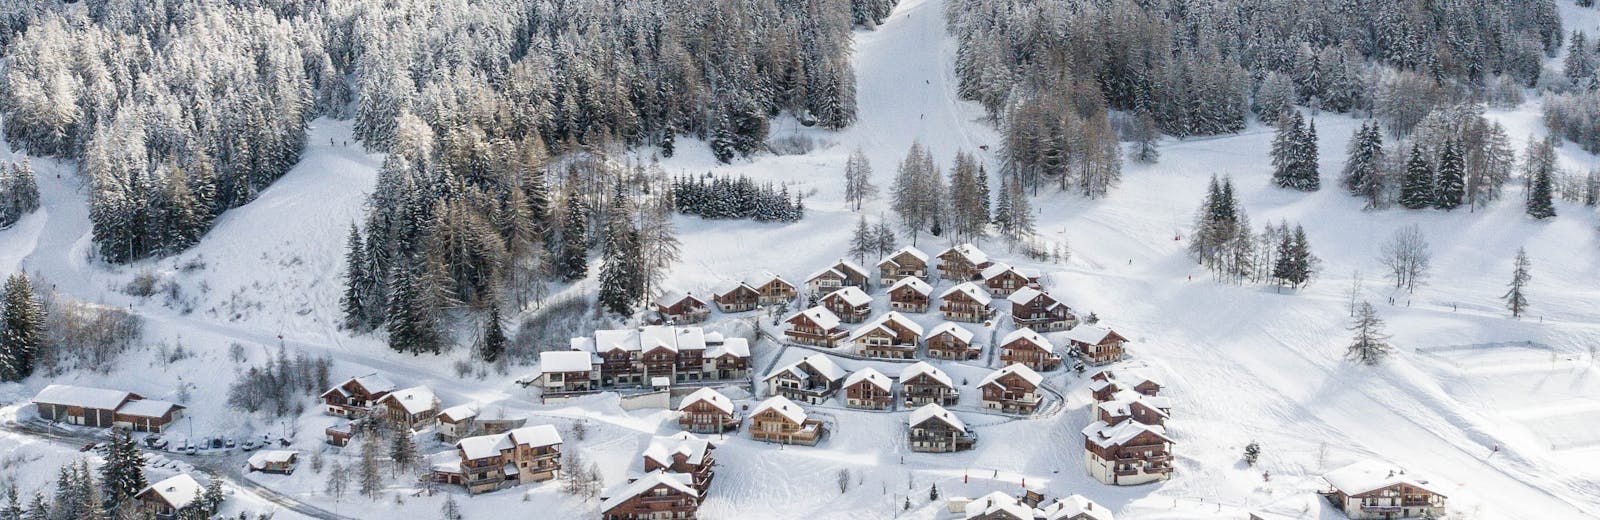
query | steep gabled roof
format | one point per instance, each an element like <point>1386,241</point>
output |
<point>1106,436</point>
<point>680,482</point>
<point>968,252</point>
<point>913,283</point>
<point>1088,334</point>
<point>958,331</point>
<point>784,407</point>
<point>907,250</point>
<point>1021,370</point>
<point>883,323</point>
<point>177,491</point>
<point>149,408</point>
<point>663,449</point>
<point>418,399</point>
<point>848,268</point>
<point>1073,506</point>
<point>709,396</point>
<point>458,413</point>
<point>997,269</point>
<point>1026,294</point>
<point>934,411</point>
<point>1029,335</point>
<point>766,277</point>
<point>971,290</point>
<point>870,376</point>
<point>1370,475</point>
<point>672,337</point>
<point>738,347</point>
<point>851,295</point>
<point>923,368</point>
<point>998,502</point>
<point>819,315</point>
<point>565,361</point>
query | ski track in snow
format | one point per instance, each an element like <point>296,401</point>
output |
<point>1241,363</point>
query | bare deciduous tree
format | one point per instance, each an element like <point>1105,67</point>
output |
<point>1407,257</point>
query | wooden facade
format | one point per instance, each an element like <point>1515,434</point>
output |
<point>681,308</point>
<point>815,326</point>
<point>922,384</point>
<point>1013,389</point>
<point>868,389</point>
<point>910,295</point>
<point>737,297</point>
<point>779,420</point>
<point>1096,345</point>
<point>934,429</point>
<point>951,341</point>
<point>1028,348</point>
<point>1037,310</point>
<point>656,496</point>
<point>908,262</point>
<point>965,303</point>
<point>774,290</point>
<point>850,304</point>
<point>707,411</point>
<point>962,263</point>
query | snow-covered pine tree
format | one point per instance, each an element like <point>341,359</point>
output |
<point>1370,344</point>
<point>22,333</point>
<point>1452,179</point>
<point>1580,65</point>
<point>1309,176</point>
<point>370,475</point>
<point>1363,176</point>
<point>916,191</point>
<point>1516,296</point>
<point>573,264</point>
<point>354,303</point>
<point>123,472</point>
<point>1540,203</point>
<point>494,336</point>
<point>1145,135</point>
<point>412,323</point>
<point>1288,152</point>
<point>863,244</point>
<point>619,269</point>
<point>402,450</point>
<point>966,214</point>
<point>983,192</point>
<point>1416,184</point>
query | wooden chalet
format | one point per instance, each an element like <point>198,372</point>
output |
<point>1105,384</point>
<point>962,263</point>
<point>707,411</point>
<point>965,302</point>
<point>907,262</point>
<point>1001,279</point>
<point>682,453</point>
<point>736,297</point>
<point>1371,490</point>
<point>341,433</point>
<point>850,304</point>
<point>657,495</point>
<point>891,336</point>
<point>411,407</point>
<point>1039,311</point>
<point>815,326</point>
<point>1026,347</point>
<point>922,383</point>
<point>681,308</point>
<point>910,294</point>
<point>772,289</point>
<point>356,395</point>
<point>951,341</point>
<point>494,462</point>
<point>1013,389</point>
<point>147,415</point>
<point>1127,453</point>
<point>455,423</point>
<point>1096,345</point>
<point>170,497</point>
<point>811,380</point>
<point>1130,405</point>
<point>282,462</point>
<point>935,430</point>
<point>841,274</point>
<point>997,506</point>
<point>782,421</point>
<point>727,359</point>
<point>868,389</point>
<point>81,405</point>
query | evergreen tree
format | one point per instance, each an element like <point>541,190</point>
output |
<point>13,509</point>
<point>1370,344</point>
<point>1294,154</point>
<point>1540,204</point>
<point>354,302</point>
<point>1363,175</point>
<point>1294,264</point>
<point>370,477</point>
<point>619,271</point>
<point>451,511</point>
<point>863,244</point>
<point>21,329</point>
<point>402,450</point>
<point>983,191</point>
<point>412,325</point>
<point>1309,177</point>
<point>885,237</point>
<point>494,336</point>
<point>1416,187</point>
<point>1145,135</point>
<point>1516,297</point>
<point>966,213</point>
<point>123,472</point>
<point>1452,179</point>
<point>574,262</point>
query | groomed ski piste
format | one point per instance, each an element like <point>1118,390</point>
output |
<point>1500,413</point>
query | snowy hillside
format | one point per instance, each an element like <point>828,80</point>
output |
<point>1502,411</point>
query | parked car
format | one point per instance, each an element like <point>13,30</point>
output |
<point>155,442</point>
<point>87,447</point>
<point>249,445</point>
<point>216,443</point>
<point>229,442</point>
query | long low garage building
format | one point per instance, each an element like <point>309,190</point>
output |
<point>104,408</point>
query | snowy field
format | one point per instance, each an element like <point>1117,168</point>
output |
<point>1241,363</point>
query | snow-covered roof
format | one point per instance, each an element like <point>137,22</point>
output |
<point>882,323</point>
<point>713,338</point>
<point>958,331</point>
<point>1026,373</point>
<point>921,368</point>
<point>914,283</point>
<point>485,446</point>
<point>375,383</point>
<point>418,399</point>
<point>612,339</point>
<point>827,271</point>
<point>710,396</point>
<point>824,365</point>
<point>1025,295</point>
<point>766,277</point>
<point>849,268</point>
<point>458,413</point>
<point>1073,506</point>
<point>177,491</point>
<point>1105,435</point>
<point>934,411</point>
<point>996,269</point>
<point>851,295</point>
<point>263,458</point>
<point>1369,475</point>
<point>673,337</point>
<point>1088,334</point>
<point>784,407</point>
<point>693,448</point>
<point>673,297</point>
<point>1122,405</point>
<point>997,502</point>
<point>969,252</point>
<point>727,287</point>
<point>1029,335</point>
<point>971,290</point>
<point>821,316</point>
<point>82,396</point>
<point>621,494</point>
<point>871,376</point>
<point>147,408</point>
<point>907,250</point>
<point>565,361</point>
<point>738,347</point>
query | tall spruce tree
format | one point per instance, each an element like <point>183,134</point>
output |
<point>1540,201</point>
<point>413,324</point>
<point>1288,150</point>
<point>1451,191</point>
<point>21,329</point>
<point>357,280</point>
<point>1363,175</point>
<point>619,268</point>
<point>494,336</point>
<point>1416,186</point>
<point>1516,295</point>
<point>574,261</point>
<point>862,243</point>
<point>123,472</point>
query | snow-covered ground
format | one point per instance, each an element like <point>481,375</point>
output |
<point>1241,363</point>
